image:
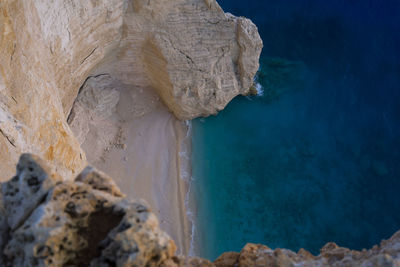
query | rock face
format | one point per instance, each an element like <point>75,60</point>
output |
<point>76,223</point>
<point>387,254</point>
<point>196,57</point>
<point>44,48</point>
<point>94,105</point>
<point>198,74</point>
<point>46,221</point>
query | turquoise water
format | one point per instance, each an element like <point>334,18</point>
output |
<point>316,157</point>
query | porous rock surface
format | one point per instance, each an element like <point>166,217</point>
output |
<point>192,53</point>
<point>45,221</point>
<point>85,222</point>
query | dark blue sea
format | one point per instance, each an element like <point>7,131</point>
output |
<point>316,156</point>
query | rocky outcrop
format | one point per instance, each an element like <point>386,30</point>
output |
<point>46,221</point>
<point>198,74</point>
<point>76,223</point>
<point>196,57</point>
<point>387,254</point>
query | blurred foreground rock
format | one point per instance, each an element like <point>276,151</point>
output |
<point>254,255</point>
<point>76,223</point>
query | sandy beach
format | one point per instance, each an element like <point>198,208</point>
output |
<point>144,148</point>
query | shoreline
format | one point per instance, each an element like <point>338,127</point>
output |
<point>183,184</point>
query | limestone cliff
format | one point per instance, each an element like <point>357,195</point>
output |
<point>196,57</point>
<point>46,221</point>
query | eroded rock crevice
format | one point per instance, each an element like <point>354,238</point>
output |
<point>100,223</point>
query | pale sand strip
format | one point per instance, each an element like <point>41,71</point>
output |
<point>144,159</point>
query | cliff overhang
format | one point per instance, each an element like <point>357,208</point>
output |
<point>193,54</point>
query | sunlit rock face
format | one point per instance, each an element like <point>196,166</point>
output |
<point>47,49</point>
<point>195,72</point>
<point>195,56</point>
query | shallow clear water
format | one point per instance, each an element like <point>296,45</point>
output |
<point>316,158</point>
